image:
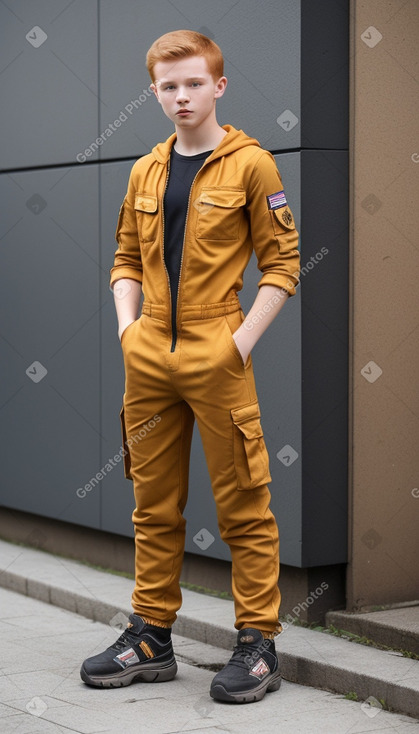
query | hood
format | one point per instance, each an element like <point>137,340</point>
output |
<point>234,140</point>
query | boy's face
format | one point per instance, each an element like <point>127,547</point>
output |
<point>187,84</point>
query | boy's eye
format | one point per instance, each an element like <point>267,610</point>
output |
<point>196,84</point>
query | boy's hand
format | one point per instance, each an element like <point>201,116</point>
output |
<point>242,344</point>
<point>266,306</point>
<point>122,328</point>
<point>127,302</point>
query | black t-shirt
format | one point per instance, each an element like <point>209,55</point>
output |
<point>183,169</point>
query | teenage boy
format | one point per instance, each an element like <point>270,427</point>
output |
<point>195,208</point>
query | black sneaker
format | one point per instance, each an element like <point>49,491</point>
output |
<point>252,670</point>
<point>143,652</point>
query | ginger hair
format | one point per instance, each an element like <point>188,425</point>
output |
<point>183,43</point>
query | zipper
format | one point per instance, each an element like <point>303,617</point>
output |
<point>174,326</point>
<point>162,247</point>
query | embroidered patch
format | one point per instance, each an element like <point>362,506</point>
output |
<point>287,216</point>
<point>260,669</point>
<point>276,200</point>
<point>126,658</point>
<point>247,639</point>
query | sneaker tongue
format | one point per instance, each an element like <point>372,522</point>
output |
<point>135,624</point>
<point>249,636</point>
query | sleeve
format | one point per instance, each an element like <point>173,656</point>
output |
<point>274,235</point>
<point>127,261</point>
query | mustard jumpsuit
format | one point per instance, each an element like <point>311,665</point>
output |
<point>189,368</point>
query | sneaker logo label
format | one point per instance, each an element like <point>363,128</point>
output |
<point>260,669</point>
<point>126,658</point>
<point>247,639</point>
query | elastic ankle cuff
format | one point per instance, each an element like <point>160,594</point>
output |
<point>155,622</point>
<point>268,635</point>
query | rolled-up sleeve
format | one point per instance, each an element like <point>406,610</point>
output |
<point>127,261</point>
<point>274,235</point>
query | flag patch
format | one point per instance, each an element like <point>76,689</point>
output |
<point>276,200</point>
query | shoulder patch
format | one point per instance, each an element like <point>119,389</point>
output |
<point>284,218</point>
<point>276,200</point>
<point>287,216</point>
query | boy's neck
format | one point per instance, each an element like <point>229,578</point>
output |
<point>199,140</point>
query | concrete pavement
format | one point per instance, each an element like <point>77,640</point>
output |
<point>41,692</point>
<point>66,611</point>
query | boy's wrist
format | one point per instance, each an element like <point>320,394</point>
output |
<point>124,326</point>
<point>244,341</point>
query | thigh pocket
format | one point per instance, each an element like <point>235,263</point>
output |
<point>251,458</point>
<point>125,449</point>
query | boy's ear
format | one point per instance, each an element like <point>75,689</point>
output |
<point>220,87</point>
<point>155,88</point>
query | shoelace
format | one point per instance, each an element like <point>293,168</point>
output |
<point>241,652</point>
<point>127,638</point>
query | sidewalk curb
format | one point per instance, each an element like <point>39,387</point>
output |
<point>308,657</point>
<point>376,626</point>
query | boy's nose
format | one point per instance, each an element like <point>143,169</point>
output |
<point>182,95</point>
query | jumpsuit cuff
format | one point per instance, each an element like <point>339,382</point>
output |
<point>279,282</point>
<point>124,272</point>
<point>267,634</point>
<point>155,622</point>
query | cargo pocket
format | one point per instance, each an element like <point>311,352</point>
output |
<point>126,454</point>
<point>146,208</point>
<point>251,458</point>
<point>220,213</point>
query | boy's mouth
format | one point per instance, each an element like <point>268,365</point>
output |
<point>183,112</point>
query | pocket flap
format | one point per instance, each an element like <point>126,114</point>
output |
<point>247,420</point>
<point>224,197</point>
<point>145,203</point>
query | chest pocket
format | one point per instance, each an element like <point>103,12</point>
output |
<point>146,207</point>
<point>219,212</point>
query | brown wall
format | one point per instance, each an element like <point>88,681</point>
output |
<point>384,185</point>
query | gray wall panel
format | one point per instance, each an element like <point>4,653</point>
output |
<point>324,74</point>
<point>324,291</point>
<point>50,253</point>
<point>117,492</point>
<point>51,83</point>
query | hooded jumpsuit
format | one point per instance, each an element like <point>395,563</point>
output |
<point>188,368</point>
